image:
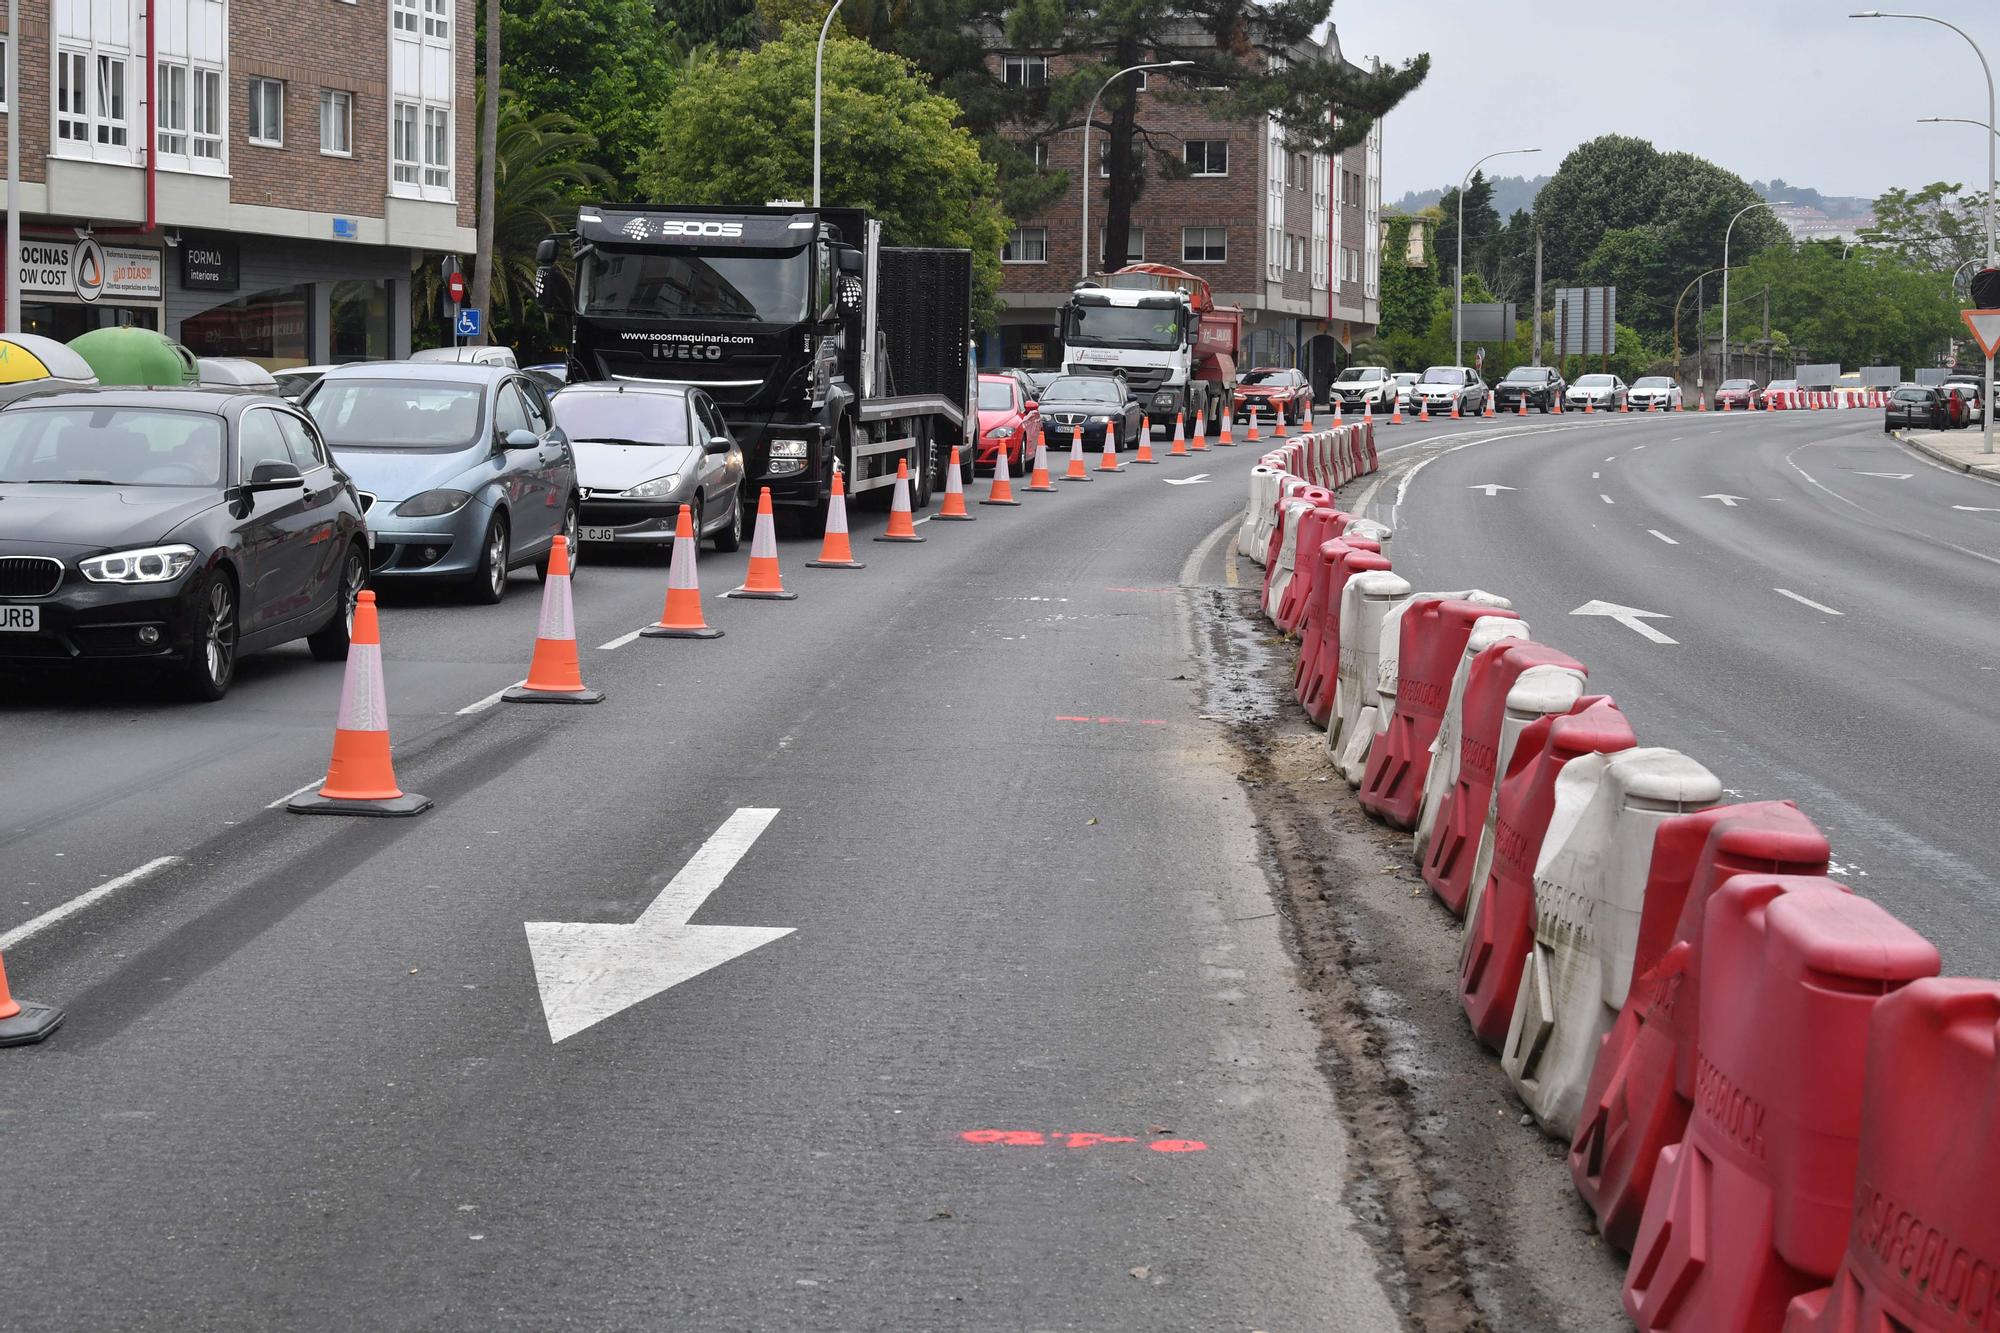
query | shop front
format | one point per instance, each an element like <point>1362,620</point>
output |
<point>285,303</point>
<point>71,285</point>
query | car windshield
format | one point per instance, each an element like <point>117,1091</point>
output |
<point>622,418</point>
<point>995,396</point>
<point>1085,389</point>
<point>1902,396</point>
<point>1594,382</point>
<point>1737,385</point>
<point>1359,374</point>
<point>1444,375</point>
<point>1124,326</point>
<point>1528,375</point>
<point>397,414</point>
<point>1267,377</point>
<point>1783,384</point>
<point>110,446</point>
<point>683,284</point>
<point>1654,382</point>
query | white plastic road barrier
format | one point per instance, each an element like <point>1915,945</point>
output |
<point>1369,528</point>
<point>1291,515</point>
<point>1443,771</point>
<point>1590,884</point>
<point>1267,521</point>
<point>1365,602</point>
<point>1540,691</point>
<point>1388,658</point>
<point>1263,494</point>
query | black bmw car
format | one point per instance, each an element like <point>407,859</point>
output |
<point>173,528</point>
<point>1094,403</point>
<point>1538,386</point>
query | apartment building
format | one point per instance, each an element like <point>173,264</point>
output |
<point>1291,237</point>
<point>255,178</point>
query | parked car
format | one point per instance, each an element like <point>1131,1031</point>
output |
<point>1915,405</point>
<point>1975,386</point>
<point>1097,404</point>
<point>644,450</point>
<point>294,381</point>
<point>1273,392</point>
<point>1959,403</point>
<point>1739,395</point>
<point>175,529</point>
<point>1442,386</point>
<point>1540,387</point>
<point>1406,389</point>
<point>1655,393</point>
<point>1010,421</point>
<point>1605,393</point>
<point>1781,387</point>
<point>1039,380</point>
<point>469,356</point>
<point>1359,387</point>
<point>462,472</point>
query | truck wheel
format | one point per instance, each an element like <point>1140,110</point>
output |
<point>966,465</point>
<point>923,468</point>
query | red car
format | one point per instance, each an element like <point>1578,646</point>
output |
<point>1273,391</point>
<point>1008,419</point>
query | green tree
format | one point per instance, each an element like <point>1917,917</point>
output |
<point>1482,228</point>
<point>1938,227</point>
<point>728,24</point>
<point>1411,297</point>
<point>606,64</point>
<point>739,130</point>
<point>1871,308</point>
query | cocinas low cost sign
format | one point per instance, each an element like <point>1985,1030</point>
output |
<point>88,270</point>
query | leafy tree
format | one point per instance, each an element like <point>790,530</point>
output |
<point>1938,227</point>
<point>1871,308</point>
<point>729,24</point>
<point>1634,260</point>
<point>1410,297</point>
<point>606,64</point>
<point>739,130</point>
<point>1606,184</point>
<point>1482,228</point>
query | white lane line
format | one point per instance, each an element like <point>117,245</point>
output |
<point>1191,567</point>
<point>1595,475</point>
<point>925,519</point>
<point>1637,447</point>
<point>1607,499</point>
<point>1806,601</point>
<point>618,642</point>
<point>1403,482</point>
<point>1612,459</point>
<point>30,929</point>
<point>1663,536</point>
<point>1791,463</point>
<point>297,791</point>
<point>486,703</point>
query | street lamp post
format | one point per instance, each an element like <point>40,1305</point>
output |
<point>1083,260</point>
<point>1458,276</point>
<point>1992,177</point>
<point>11,291</point>
<point>1747,208</point>
<point>819,63</point>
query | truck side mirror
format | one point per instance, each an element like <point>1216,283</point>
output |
<point>553,293</point>
<point>849,260</point>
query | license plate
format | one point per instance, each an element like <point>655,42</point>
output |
<point>20,619</point>
<point>598,534</point>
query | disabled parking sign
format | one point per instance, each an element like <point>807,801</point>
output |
<point>468,323</point>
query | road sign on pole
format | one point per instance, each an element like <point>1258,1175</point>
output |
<point>1985,326</point>
<point>454,286</point>
<point>468,323</point>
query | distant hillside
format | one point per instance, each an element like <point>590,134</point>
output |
<point>1510,195</point>
<point>1833,205</point>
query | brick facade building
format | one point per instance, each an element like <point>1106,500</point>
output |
<point>265,192</point>
<point>1293,238</point>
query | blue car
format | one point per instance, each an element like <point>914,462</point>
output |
<point>463,473</point>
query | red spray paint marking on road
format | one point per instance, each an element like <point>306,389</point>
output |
<point>1032,1138</point>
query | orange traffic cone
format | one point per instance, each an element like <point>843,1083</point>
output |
<point>1423,409</point>
<point>1454,410</point>
<point>1336,411</point>
<point>1395,412</point>
<point>1198,441</point>
<point>1252,436</point>
<point>1279,433</point>
<point>682,617</point>
<point>835,551</point>
<point>360,780</point>
<point>1625,406</point>
<point>1680,404</point>
<point>1559,404</point>
<point>1487,412</point>
<point>1107,458</point>
<point>1701,403</point>
<point>1590,407</point>
<point>1145,454</point>
<point>1077,471</point>
<point>1180,446</point>
<point>1145,426</point>
<point>953,509</point>
<point>1003,482</point>
<point>764,583</point>
<point>1038,480</point>
<point>902,528</point>
<point>554,676</point>
<point>22,1022</point>
<point>1521,406</point>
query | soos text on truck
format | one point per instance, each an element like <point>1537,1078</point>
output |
<point>819,343</point>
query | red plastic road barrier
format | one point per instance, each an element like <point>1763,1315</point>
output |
<point>1752,1207</point>
<point>1433,640</point>
<point>1285,530</point>
<point>1448,860</point>
<point>1315,529</point>
<point>1319,664</point>
<point>1642,1086</point>
<point>1924,1251</point>
<point>1501,929</point>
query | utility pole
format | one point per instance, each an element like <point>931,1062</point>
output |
<point>1538,298</point>
<point>11,292</point>
<point>1700,343</point>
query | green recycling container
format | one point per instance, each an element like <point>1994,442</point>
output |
<point>134,356</point>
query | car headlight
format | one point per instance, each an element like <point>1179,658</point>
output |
<point>785,449</point>
<point>151,564</point>
<point>1101,418</point>
<point>656,489</point>
<point>1000,433</point>
<point>431,504</point>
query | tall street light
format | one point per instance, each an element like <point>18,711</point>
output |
<point>1083,262</point>
<point>1747,208</point>
<point>1458,288</point>
<point>1992,175</point>
<point>819,62</point>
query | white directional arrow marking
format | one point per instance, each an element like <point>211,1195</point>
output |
<point>1492,488</point>
<point>1729,500</point>
<point>1631,617</point>
<point>1975,509</point>
<point>588,972</point>
<point>1195,480</point>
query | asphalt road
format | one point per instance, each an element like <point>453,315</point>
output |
<point>1832,627</point>
<point>307,1080</point>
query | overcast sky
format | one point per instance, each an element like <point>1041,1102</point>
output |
<point>1838,97</point>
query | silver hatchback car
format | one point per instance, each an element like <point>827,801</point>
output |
<point>643,451</point>
<point>463,473</point>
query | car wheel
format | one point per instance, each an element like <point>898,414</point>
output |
<point>210,664</point>
<point>568,532</point>
<point>731,536</point>
<point>328,643</point>
<point>488,583</point>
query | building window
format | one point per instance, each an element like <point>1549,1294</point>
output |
<point>336,123</point>
<point>1295,171</point>
<point>265,124</point>
<point>437,148</point>
<point>1139,82</point>
<point>112,130</point>
<point>1204,245</point>
<point>1038,153</point>
<point>72,96</point>
<point>4,90</point>
<point>268,328</point>
<point>1024,71</point>
<point>172,114</point>
<point>208,114</point>
<point>1026,245</point>
<point>403,149</point>
<point>359,309</point>
<point>1135,244</point>
<point>1206,157</point>
<point>437,20</point>
<point>403,15</point>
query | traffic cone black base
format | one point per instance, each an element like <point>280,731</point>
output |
<point>835,564</point>
<point>885,537</point>
<point>521,694</point>
<point>34,1023</point>
<point>312,803</point>
<point>951,518</point>
<point>664,632</point>
<point>751,595</point>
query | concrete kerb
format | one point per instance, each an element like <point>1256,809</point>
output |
<point>1926,443</point>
